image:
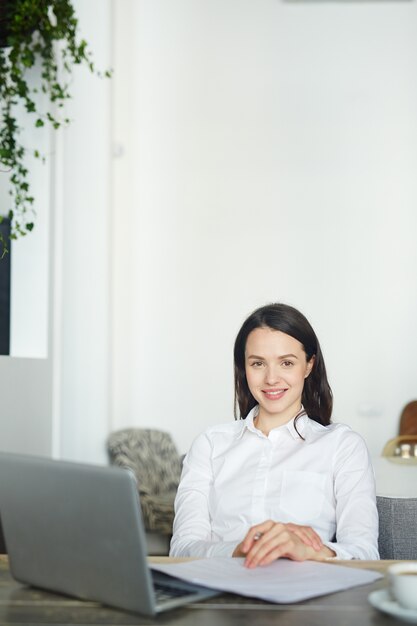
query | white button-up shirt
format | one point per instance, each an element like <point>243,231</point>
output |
<point>234,477</point>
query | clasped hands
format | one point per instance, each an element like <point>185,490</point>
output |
<point>271,540</point>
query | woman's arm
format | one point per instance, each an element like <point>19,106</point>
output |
<point>356,512</point>
<point>192,534</point>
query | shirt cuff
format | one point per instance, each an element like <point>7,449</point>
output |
<point>202,549</point>
<point>348,551</point>
<point>341,553</point>
<point>222,548</point>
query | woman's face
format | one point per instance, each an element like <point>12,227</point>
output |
<point>276,368</point>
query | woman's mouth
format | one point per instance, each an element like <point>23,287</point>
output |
<point>273,394</point>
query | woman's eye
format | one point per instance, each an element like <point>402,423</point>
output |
<point>257,364</point>
<point>287,363</point>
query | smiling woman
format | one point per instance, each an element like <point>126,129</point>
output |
<point>282,481</point>
<point>276,378</point>
<point>278,329</point>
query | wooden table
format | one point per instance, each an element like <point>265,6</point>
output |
<point>25,605</point>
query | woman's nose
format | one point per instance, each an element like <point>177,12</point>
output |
<point>272,376</point>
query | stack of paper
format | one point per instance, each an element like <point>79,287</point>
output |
<point>282,581</point>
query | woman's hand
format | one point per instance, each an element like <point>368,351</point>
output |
<point>271,540</point>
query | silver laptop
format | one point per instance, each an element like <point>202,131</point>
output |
<point>77,529</point>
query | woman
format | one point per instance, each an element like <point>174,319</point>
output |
<point>282,481</point>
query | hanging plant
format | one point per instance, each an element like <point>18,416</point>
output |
<point>41,33</point>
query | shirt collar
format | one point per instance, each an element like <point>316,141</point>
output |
<point>297,425</point>
<point>301,423</point>
<point>247,423</point>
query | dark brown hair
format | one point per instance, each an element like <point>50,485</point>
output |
<point>317,396</point>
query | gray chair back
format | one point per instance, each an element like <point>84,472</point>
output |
<point>397,527</point>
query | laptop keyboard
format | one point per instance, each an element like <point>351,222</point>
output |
<point>165,592</point>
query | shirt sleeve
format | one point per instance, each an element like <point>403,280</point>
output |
<point>192,535</point>
<point>356,510</point>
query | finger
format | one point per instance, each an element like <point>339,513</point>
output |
<point>263,539</point>
<point>255,534</point>
<point>292,548</point>
<point>308,539</point>
<point>264,546</point>
<point>310,532</point>
<point>307,535</point>
<point>289,549</point>
<point>251,538</point>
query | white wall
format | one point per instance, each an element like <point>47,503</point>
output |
<point>82,340</point>
<point>273,151</point>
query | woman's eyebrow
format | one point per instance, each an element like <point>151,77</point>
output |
<point>284,356</point>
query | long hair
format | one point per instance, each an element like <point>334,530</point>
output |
<point>317,396</point>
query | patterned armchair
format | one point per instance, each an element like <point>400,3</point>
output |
<point>152,456</point>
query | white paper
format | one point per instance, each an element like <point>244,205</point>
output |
<point>282,581</point>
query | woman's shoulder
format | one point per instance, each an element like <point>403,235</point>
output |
<point>336,430</point>
<point>218,435</point>
<point>344,444</point>
<point>225,428</point>
<point>332,427</point>
<point>224,431</point>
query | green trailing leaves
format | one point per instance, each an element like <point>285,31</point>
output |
<point>42,33</point>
